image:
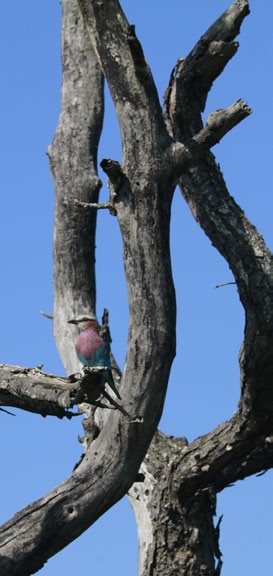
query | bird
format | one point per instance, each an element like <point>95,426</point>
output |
<point>91,349</point>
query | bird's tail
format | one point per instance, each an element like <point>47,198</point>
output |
<point>109,379</point>
<point>114,403</point>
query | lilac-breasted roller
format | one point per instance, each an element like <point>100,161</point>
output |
<point>91,349</point>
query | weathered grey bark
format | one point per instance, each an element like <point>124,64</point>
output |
<point>35,391</point>
<point>111,463</point>
<point>237,239</point>
<point>73,162</point>
<point>175,503</point>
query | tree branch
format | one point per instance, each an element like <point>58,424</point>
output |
<point>220,122</point>
<point>204,189</point>
<point>192,77</point>
<point>35,391</point>
<point>73,162</point>
<point>128,75</point>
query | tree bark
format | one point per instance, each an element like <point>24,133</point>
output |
<point>174,496</point>
<point>73,162</point>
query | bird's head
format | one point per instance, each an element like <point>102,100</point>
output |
<point>85,321</point>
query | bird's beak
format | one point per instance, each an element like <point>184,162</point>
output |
<point>73,321</point>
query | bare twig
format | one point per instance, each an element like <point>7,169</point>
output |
<point>224,284</point>
<point>46,315</point>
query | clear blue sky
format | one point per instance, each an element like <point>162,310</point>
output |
<point>38,453</point>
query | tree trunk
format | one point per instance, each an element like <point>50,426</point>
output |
<point>175,530</point>
<point>173,485</point>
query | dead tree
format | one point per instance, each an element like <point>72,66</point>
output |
<point>175,501</point>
